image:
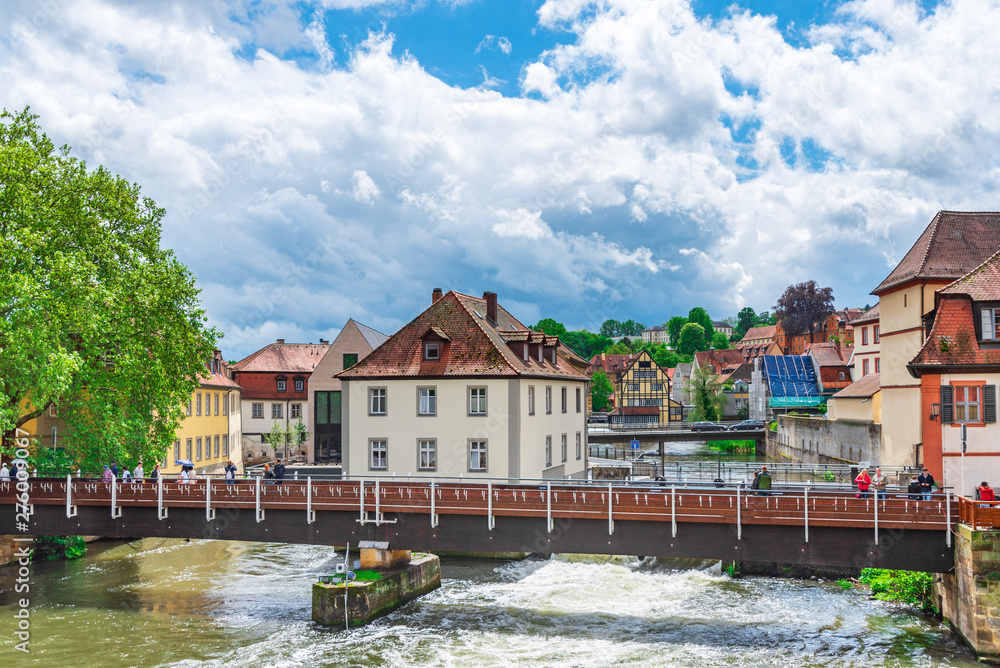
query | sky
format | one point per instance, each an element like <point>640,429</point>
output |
<point>585,160</point>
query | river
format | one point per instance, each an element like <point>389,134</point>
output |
<point>170,602</point>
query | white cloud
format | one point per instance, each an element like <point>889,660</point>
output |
<point>522,224</point>
<point>491,42</point>
<point>363,188</point>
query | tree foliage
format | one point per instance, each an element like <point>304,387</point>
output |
<point>706,395</point>
<point>613,328</point>
<point>692,339</point>
<point>96,316</point>
<point>803,307</point>
<point>700,316</point>
<point>674,326</point>
<point>551,327</point>
<point>600,391</point>
<point>910,587</point>
<point>720,341</point>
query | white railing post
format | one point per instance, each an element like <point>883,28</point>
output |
<point>310,513</point>
<point>673,510</point>
<point>739,517</point>
<point>161,512</point>
<point>116,512</point>
<point>378,502</point>
<point>70,508</point>
<point>209,510</point>
<point>947,505</point>
<point>807,514</point>
<point>490,522</point>
<point>259,510</point>
<point>876,517</point>
<point>434,517</point>
<point>611,516</point>
<point>548,506</point>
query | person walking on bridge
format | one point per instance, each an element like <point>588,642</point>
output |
<point>764,482</point>
<point>879,483</point>
<point>864,482</point>
<point>230,473</point>
<point>926,484</point>
<point>984,492</point>
<point>279,472</point>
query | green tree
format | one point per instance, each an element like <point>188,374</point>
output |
<point>632,328</point>
<point>279,437</point>
<point>674,326</point>
<point>600,391</point>
<point>551,327</point>
<point>706,395</point>
<point>692,339</point>
<point>720,341</point>
<point>95,314</point>
<point>745,319</point>
<point>620,348</point>
<point>611,328</point>
<point>586,344</point>
<point>700,316</point>
<point>665,357</point>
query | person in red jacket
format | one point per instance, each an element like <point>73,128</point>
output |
<point>864,482</point>
<point>984,492</point>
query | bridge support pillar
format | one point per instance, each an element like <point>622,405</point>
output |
<point>969,598</point>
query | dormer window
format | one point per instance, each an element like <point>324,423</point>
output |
<point>282,385</point>
<point>432,351</point>
<point>300,385</point>
<point>990,324</point>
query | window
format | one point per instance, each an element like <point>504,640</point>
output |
<point>477,401</point>
<point>842,375</point>
<point>877,365</point>
<point>216,403</point>
<point>296,411</point>
<point>350,359</point>
<point>225,404</point>
<point>632,387</point>
<point>967,404</point>
<point>187,450</point>
<point>579,405</point>
<point>52,410</point>
<point>216,445</point>
<point>548,400</point>
<point>432,351</point>
<point>379,459</point>
<point>198,403</point>
<point>199,448</point>
<point>864,367</point>
<point>426,401</point>
<point>276,411</point>
<point>258,411</point>
<point>55,435</point>
<point>579,446</point>
<point>563,397</point>
<point>177,449</point>
<point>548,451</point>
<point>427,455</point>
<point>281,386</point>
<point>188,410</point>
<point>562,447</point>
<point>225,445</point>
<point>656,387</point>
<point>990,322</point>
<point>864,336</point>
<point>300,385</point>
<point>531,400</point>
<point>477,455</point>
<point>376,401</point>
<point>875,330</point>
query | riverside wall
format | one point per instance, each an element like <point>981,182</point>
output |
<point>816,440</point>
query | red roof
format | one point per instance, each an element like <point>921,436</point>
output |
<point>472,346</point>
<point>827,354</point>
<point>765,332</point>
<point>611,365</point>
<point>871,315</point>
<point>952,244</point>
<point>723,361</point>
<point>865,386</point>
<point>980,284</point>
<point>281,357</point>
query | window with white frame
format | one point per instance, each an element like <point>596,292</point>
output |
<point>198,441</point>
<point>579,446</point>
<point>198,403</point>
<point>217,439</point>
<point>656,387</point>
<point>258,410</point>
<point>875,330</point>
<point>477,401</point>
<point>225,404</point>
<point>432,351</point>
<point>426,401</point>
<point>531,400</point>
<point>427,455</point>
<point>376,401</point>
<point>564,403</point>
<point>990,324</point>
<point>225,445</point>
<point>177,449</point>
<point>216,403</point>
<point>548,451</point>
<point>187,450</point>
<point>300,385</point>
<point>282,387</point>
<point>632,387</point>
<point>477,455</point>
<point>548,400</point>
<point>189,407</point>
<point>296,411</point>
<point>276,412</point>
<point>579,403</point>
<point>562,448</point>
<point>967,403</point>
<point>379,455</point>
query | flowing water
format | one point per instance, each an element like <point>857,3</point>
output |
<point>169,602</point>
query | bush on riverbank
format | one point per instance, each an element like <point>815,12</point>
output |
<point>47,548</point>
<point>734,446</point>
<point>911,587</point>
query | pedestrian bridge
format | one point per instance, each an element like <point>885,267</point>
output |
<point>797,525</point>
<point>668,434</point>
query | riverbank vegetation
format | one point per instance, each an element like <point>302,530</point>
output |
<point>734,446</point>
<point>909,587</point>
<point>48,548</point>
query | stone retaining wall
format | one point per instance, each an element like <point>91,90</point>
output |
<point>815,440</point>
<point>970,597</point>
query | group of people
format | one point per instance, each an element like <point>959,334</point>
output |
<point>761,482</point>
<point>114,472</point>
<point>920,488</point>
<point>275,477</point>
<point>6,474</point>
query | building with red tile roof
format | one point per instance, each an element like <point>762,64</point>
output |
<point>867,343</point>
<point>952,245</point>
<point>958,367</point>
<point>465,389</point>
<point>832,363</point>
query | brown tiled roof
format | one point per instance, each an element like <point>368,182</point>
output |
<point>952,244</point>
<point>871,315</point>
<point>980,284</point>
<point>765,332</point>
<point>826,353</point>
<point>742,372</point>
<point>952,341</point>
<point>283,358</point>
<point>863,387</point>
<point>611,365</point>
<point>849,314</point>
<point>724,361</point>
<point>635,410</point>
<point>475,346</point>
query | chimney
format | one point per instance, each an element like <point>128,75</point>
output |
<point>324,342</point>
<point>836,346</point>
<point>491,306</point>
<point>436,294</point>
<point>281,340</point>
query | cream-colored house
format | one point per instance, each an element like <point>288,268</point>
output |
<point>465,390</point>
<point>867,344</point>
<point>861,401</point>
<point>352,345</point>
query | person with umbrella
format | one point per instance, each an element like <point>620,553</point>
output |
<point>187,471</point>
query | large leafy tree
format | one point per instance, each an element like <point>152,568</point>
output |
<point>94,316</point>
<point>700,316</point>
<point>600,391</point>
<point>803,307</point>
<point>674,326</point>
<point>551,327</point>
<point>692,339</point>
<point>720,341</point>
<point>745,319</point>
<point>706,395</point>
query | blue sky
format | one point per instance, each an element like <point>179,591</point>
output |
<point>584,159</point>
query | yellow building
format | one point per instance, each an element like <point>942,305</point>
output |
<point>210,433</point>
<point>642,394</point>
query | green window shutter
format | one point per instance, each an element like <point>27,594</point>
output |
<point>947,404</point>
<point>989,403</point>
